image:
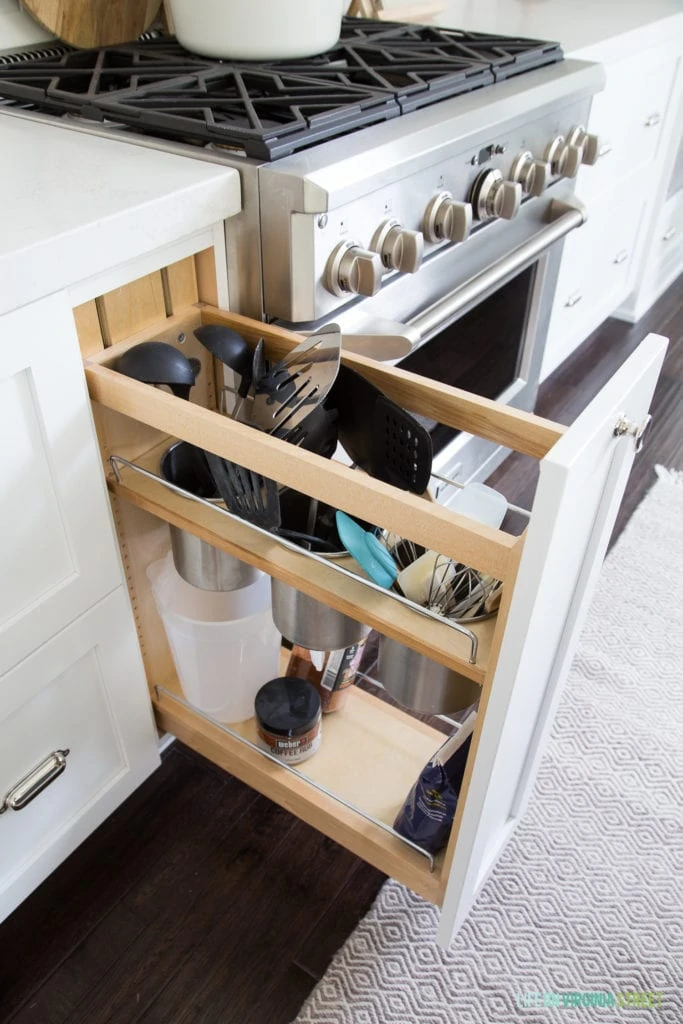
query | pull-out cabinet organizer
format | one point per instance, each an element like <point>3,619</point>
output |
<point>372,752</point>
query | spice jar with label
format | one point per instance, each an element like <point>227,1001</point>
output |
<point>288,719</point>
<point>331,672</point>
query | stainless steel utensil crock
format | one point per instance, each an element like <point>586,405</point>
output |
<point>310,623</point>
<point>422,684</point>
<point>197,561</point>
<point>207,567</point>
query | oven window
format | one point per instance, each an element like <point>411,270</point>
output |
<point>481,351</point>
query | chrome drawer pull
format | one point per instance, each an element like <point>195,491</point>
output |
<point>573,299</point>
<point>636,430</point>
<point>605,149</point>
<point>621,257</point>
<point>653,120</point>
<point>38,778</point>
<point>668,235</point>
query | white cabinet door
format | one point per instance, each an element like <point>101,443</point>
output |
<point>57,550</point>
<point>80,699</point>
<point>581,484</point>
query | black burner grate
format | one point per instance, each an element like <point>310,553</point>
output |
<point>378,70</point>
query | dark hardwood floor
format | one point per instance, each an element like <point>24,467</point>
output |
<point>200,902</point>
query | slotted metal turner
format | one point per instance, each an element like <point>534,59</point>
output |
<point>291,389</point>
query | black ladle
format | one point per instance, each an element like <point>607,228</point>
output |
<point>156,362</point>
<point>232,349</point>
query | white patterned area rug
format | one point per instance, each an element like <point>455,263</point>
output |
<point>587,899</point>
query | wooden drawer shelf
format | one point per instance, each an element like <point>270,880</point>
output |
<point>370,756</point>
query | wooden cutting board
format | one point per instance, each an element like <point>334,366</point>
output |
<point>86,23</point>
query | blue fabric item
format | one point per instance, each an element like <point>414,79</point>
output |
<point>427,814</point>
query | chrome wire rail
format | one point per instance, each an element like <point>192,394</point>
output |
<point>294,771</point>
<point>116,461</point>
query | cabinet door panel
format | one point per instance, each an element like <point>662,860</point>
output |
<point>83,692</point>
<point>628,116</point>
<point>581,484</point>
<point>58,554</point>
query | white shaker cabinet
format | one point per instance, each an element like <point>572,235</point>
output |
<point>613,266</point>
<point>76,738</point>
<point>76,730</point>
<point>57,553</point>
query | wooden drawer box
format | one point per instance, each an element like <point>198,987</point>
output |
<point>373,751</point>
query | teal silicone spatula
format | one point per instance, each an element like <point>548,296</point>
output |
<point>368,551</point>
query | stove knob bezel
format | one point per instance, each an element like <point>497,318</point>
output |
<point>447,220</point>
<point>589,142</point>
<point>532,174</point>
<point>352,269</point>
<point>493,196</point>
<point>398,247</point>
<point>564,156</point>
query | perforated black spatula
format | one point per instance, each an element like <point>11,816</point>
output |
<point>383,439</point>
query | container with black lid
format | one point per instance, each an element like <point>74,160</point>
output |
<point>288,716</point>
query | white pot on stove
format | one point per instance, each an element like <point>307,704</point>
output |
<point>257,29</point>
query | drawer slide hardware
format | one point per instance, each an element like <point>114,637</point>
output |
<point>636,431</point>
<point>161,691</point>
<point>33,783</point>
<point>116,461</point>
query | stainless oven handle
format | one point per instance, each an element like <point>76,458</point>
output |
<point>563,217</point>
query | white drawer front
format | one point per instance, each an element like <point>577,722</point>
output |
<point>58,554</point>
<point>83,692</point>
<point>594,275</point>
<point>628,116</point>
<point>669,237</point>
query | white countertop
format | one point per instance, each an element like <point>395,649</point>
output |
<point>575,24</point>
<point>17,28</point>
<point>73,205</point>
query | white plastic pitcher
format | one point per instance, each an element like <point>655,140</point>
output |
<point>257,29</point>
<point>224,644</point>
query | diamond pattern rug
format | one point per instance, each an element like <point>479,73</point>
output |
<point>588,895</point>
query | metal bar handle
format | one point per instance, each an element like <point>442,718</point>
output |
<point>33,783</point>
<point>564,217</point>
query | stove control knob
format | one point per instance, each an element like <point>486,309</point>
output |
<point>532,175</point>
<point>492,196</point>
<point>447,219</point>
<point>589,143</point>
<point>399,248</point>
<point>564,157</point>
<point>352,269</point>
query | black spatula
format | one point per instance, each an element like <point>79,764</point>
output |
<point>383,439</point>
<point>249,495</point>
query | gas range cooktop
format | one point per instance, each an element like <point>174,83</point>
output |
<point>267,110</point>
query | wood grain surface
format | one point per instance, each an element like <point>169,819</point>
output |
<point>86,23</point>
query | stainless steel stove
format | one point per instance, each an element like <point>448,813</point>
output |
<point>413,184</point>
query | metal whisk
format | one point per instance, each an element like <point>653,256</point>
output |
<point>454,590</point>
